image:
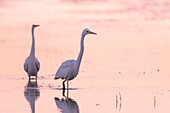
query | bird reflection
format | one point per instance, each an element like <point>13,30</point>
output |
<point>67,105</point>
<point>32,93</point>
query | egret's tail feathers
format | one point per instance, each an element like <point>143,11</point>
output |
<point>56,78</point>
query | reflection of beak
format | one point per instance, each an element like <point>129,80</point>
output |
<point>93,33</point>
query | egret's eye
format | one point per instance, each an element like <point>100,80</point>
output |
<point>87,31</point>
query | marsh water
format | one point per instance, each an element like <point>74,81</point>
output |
<point>125,68</point>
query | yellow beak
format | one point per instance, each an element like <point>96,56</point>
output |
<point>93,33</point>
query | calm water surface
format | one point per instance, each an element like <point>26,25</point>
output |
<point>125,68</point>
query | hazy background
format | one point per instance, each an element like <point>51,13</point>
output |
<point>129,56</point>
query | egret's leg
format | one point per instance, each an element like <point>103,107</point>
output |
<point>67,89</point>
<point>64,88</point>
<point>63,92</point>
<point>64,85</point>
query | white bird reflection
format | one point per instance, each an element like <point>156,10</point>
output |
<point>67,105</point>
<point>32,93</point>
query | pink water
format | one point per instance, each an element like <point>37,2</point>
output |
<point>125,68</point>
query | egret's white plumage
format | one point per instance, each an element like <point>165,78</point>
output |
<point>70,68</point>
<point>32,65</point>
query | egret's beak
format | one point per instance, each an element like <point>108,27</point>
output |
<point>37,25</point>
<point>90,32</point>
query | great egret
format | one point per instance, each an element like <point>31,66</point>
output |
<point>32,65</point>
<point>70,68</point>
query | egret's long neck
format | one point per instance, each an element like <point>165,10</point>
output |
<point>33,44</point>
<point>81,50</point>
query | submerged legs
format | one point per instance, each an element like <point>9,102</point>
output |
<point>67,89</point>
<point>33,78</point>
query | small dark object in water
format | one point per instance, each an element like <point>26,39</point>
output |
<point>97,104</point>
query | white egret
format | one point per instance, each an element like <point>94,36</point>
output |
<point>32,65</point>
<point>70,68</point>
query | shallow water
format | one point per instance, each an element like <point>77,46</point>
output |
<point>125,68</point>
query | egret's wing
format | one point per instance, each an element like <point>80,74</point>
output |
<point>26,65</point>
<point>37,64</point>
<point>64,69</point>
<point>67,63</point>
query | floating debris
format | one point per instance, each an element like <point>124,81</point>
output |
<point>23,78</point>
<point>97,104</point>
<point>120,101</point>
<point>116,101</point>
<point>51,75</point>
<point>40,86</point>
<point>154,101</point>
<point>41,77</point>
<point>50,86</point>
